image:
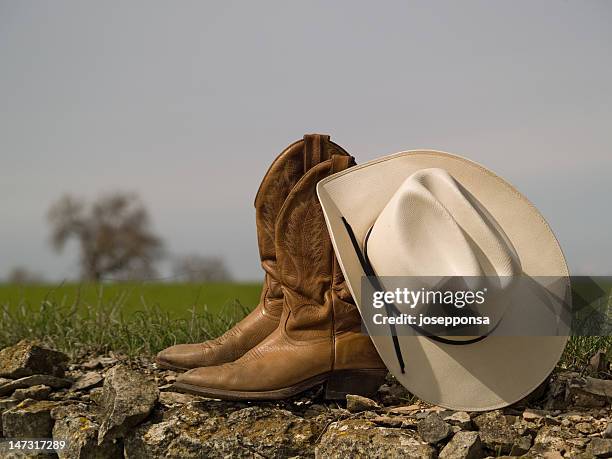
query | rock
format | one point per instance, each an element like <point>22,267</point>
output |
<point>98,362</point>
<point>64,396</point>
<point>88,380</point>
<point>92,364</point>
<point>362,438</point>
<point>463,445</point>
<point>316,409</point>
<point>458,418</point>
<point>158,440</point>
<point>7,404</point>
<point>127,399</point>
<point>569,390</point>
<point>107,361</point>
<point>175,398</point>
<point>405,410</point>
<point>585,428</point>
<point>521,446</point>
<point>550,439</point>
<point>522,427</point>
<point>589,392</point>
<point>565,422</point>
<point>278,427</point>
<point>5,454</point>
<point>433,429</point>
<point>495,433</point>
<point>388,421</point>
<point>601,387</point>
<point>577,444</point>
<point>95,395</point>
<point>531,414</point>
<point>608,432</point>
<point>357,403</point>
<point>211,430</point>
<point>393,393</point>
<point>551,421</point>
<point>600,447</point>
<point>27,358</point>
<point>38,392</point>
<point>77,427</point>
<point>29,419</point>
<point>34,380</point>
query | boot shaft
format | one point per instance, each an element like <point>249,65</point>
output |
<point>276,185</point>
<point>317,302</point>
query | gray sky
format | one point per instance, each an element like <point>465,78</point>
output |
<point>187,103</point>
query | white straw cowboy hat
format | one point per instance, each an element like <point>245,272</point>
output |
<point>429,213</point>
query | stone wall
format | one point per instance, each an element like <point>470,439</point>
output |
<point>109,407</point>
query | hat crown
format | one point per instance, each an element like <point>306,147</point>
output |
<point>433,226</point>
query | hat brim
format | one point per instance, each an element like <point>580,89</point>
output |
<point>485,375</point>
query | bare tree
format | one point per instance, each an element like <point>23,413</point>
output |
<point>113,233</point>
<point>21,275</point>
<point>199,268</point>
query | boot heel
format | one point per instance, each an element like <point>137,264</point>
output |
<point>356,382</point>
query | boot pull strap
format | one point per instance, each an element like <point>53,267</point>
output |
<point>316,150</point>
<point>341,162</point>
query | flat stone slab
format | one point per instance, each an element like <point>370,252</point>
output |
<point>29,419</point>
<point>362,438</point>
<point>77,426</point>
<point>28,358</point>
<point>38,392</point>
<point>127,399</point>
<point>34,380</point>
<point>88,380</point>
<point>200,430</point>
<point>463,445</point>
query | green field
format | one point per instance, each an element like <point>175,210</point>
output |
<point>130,318</point>
<point>177,299</point>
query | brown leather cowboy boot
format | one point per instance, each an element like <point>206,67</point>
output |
<point>281,177</point>
<point>319,336</point>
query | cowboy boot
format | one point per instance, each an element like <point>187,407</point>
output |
<point>319,338</point>
<point>280,178</point>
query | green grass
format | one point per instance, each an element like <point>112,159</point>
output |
<point>130,318</point>
<point>174,298</point>
<point>77,330</point>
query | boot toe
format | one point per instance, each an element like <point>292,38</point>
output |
<point>180,357</point>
